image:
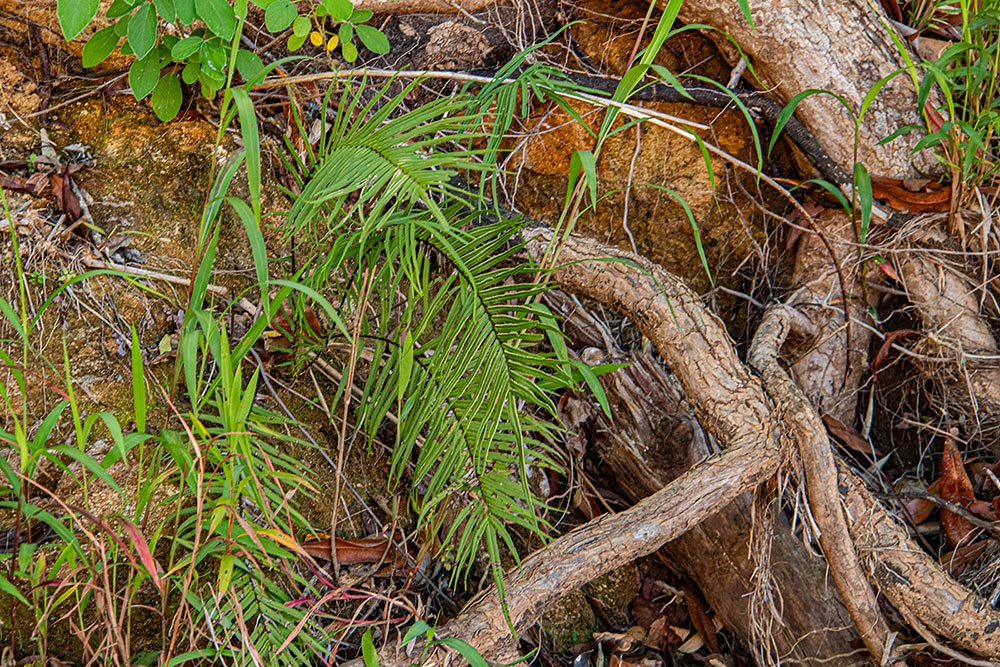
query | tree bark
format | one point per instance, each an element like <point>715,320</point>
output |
<point>842,47</point>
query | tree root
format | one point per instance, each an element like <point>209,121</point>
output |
<point>732,406</point>
<point>820,478</point>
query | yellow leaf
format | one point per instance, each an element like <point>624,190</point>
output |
<point>316,38</point>
<point>332,44</point>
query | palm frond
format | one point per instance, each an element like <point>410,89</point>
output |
<point>451,316</point>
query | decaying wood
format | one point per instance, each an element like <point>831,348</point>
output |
<point>841,47</point>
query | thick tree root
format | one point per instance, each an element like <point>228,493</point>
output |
<point>732,406</point>
<point>806,428</point>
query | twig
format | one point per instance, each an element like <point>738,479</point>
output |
<point>92,263</point>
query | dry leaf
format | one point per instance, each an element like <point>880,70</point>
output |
<point>847,435</point>
<point>956,487</point>
<point>349,552</point>
<point>933,197</point>
<point>920,509</point>
<point>700,618</point>
<point>890,338</point>
<point>956,561</point>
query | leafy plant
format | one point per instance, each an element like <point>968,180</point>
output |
<point>343,20</point>
<point>204,47</point>
<point>458,360</point>
<point>964,129</point>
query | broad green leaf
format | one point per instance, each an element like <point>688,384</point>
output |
<point>118,8</point>
<point>339,10</point>
<point>372,38</point>
<point>167,98</point>
<point>190,73</point>
<point>295,42</point>
<point>213,59</point>
<point>121,29</point>
<point>210,83</point>
<point>142,30</point>
<point>185,11</point>
<point>361,16</point>
<point>248,64</point>
<point>279,15</point>
<point>301,25</point>
<point>349,51</point>
<point>75,15</point>
<point>100,46</point>
<point>346,32</point>
<point>219,16</point>
<point>166,10</point>
<point>143,75</point>
<point>186,48</point>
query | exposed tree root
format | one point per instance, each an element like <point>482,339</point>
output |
<point>779,600</point>
<point>424,6</point>
<point>912,581</point>
<point>820,478</point>
<point>731,404</point>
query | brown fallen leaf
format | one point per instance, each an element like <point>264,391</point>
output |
<point>350,552</point>
<point>920,509</point>
<point>890,338</point>
<point>932,197</point>
<point>69,203</point>
<point>700,618</point>
<point>847,435</point>
<point>956,561</point>
<point>956,487</point>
